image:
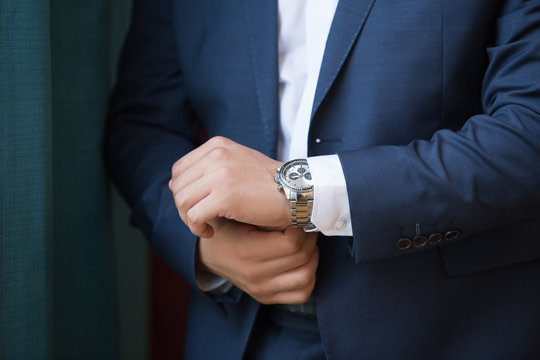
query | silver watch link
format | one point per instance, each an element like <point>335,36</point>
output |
<point>294,178</point>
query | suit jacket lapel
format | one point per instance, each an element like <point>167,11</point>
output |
<point>261,24</point>
<point>348,21</point>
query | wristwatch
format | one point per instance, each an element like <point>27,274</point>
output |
<point>294,178</point>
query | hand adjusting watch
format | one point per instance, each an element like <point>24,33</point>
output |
<point>294,178</point>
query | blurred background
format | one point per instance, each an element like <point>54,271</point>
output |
<point>76,281</point>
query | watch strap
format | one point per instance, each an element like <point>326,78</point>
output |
<point>301,210</point>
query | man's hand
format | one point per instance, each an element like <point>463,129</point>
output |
<point>224,179</point>
<point>274,267</point>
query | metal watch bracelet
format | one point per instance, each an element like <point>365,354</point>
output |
<point>301,210</point>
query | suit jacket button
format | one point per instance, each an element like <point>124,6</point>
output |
<point>419,241</point>
<point>435,238</point>
<point>451,235</point>
<point>404,244</point>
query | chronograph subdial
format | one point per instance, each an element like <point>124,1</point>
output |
<point>294,176</point>
<point>299,179</point>
<point>297,175</point>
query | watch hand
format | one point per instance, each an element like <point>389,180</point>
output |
<point>294,176</point>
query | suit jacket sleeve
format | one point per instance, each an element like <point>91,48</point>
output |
<point>150,126</point>
<point>484,176</point>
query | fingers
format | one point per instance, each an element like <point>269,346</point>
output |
<point>263,273</point>
<point>195,176</point>
<point>198,215</point>
<point>191,186</point>
<point>293,261</point>
<point>288,278</point>
<point>225,179</point>
<point>199,203</point>
<point>185,198</point>
<point>281,246</point>
<point>188,176</point>
<point>292,287</point>
<point>273,267</point>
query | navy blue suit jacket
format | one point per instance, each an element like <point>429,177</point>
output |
<point>433,108</point>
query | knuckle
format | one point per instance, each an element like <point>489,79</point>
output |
<point>176,167</point>
<point>218,152</point>
<point>192,217</point>
<point>178,199</point>
<point>182,209</point>
<point>224,172</point>
<point>216,155</point>
<point>218,140</point>
<point>304,296</point>
<point>174,185</point>
<point>303,281</point>
<point>179,194</point>
<point>222,213</point>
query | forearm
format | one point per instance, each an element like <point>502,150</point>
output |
<point>477,177</point>
<point>150,126</point>
<point>469,181</point>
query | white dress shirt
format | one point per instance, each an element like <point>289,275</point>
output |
<point>303,30</point>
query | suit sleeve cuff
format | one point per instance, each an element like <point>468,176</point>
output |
<point>331,213</point>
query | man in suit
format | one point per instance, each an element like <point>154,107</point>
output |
<point>417,211</point>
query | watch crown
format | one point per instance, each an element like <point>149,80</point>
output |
<point>276,180</point>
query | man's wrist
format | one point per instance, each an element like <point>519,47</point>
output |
<point>294,181</point>
<point>285,210</point>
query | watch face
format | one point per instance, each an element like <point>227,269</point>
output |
<point>295,175</point>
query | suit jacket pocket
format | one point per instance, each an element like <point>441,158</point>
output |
<point>509,245</point>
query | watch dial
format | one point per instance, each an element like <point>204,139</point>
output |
<point>294,176</point>
<point>297,175</point>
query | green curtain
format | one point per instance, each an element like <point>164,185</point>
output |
<point>58,268</point>
<point>26,180</point>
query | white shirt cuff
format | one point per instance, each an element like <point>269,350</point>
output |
<point>211,283</point>
<point>331,212</point>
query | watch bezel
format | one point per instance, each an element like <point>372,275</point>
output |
<point>283,179</point>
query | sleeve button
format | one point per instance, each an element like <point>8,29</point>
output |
<point>419,241</point>
<point>451,235</point>
<point>404,244</point>
<point>435,238</point>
